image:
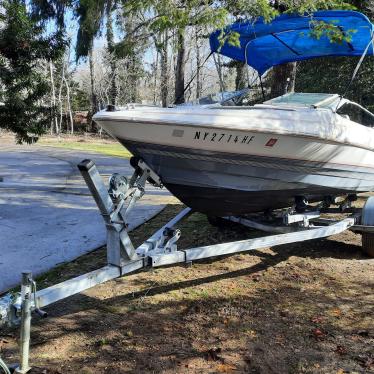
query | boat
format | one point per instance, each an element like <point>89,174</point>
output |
<point>224,156</point>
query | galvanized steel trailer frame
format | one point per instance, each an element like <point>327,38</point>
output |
<point>159,250</point>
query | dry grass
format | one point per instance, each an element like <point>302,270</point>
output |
<point>93,144</point>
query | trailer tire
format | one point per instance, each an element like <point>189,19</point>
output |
<point>367,219</point>
<point>368,243</point>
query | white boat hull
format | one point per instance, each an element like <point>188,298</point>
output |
<point>227,169</point>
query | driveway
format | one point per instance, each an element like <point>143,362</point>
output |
<point>47,216</point>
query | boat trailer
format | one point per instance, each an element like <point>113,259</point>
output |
<point>160,249</point>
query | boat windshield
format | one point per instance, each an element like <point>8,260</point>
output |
<point>218,98</point>
<point>251,97</point>
<point>356,113</point>
<point>304,99</point>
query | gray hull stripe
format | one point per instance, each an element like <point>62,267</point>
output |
<point>278,164</point>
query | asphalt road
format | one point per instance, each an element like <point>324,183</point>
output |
<point>47,216</point>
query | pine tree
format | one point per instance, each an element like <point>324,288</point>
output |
<point>91,15</point>
<point>315,75</point>
<point>24,48</point>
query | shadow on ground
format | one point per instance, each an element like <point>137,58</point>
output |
<point>300,308</point>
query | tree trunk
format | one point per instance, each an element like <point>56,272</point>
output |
<point>54,117</point>
<point>198,67</point>
<point>94,107</point>
<point>180,69</point>
<point>155,78</point>
<point>241,76</point>
<point>293,77</point>
<point>164,71</point>
<point>60,96</point>
<point>132,63</point>
<point>69,106</point>
<point>133,79</point>
<point>112,61</point>
<point>217,61</point>
<point>283,79</point>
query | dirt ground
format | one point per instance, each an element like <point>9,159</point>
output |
<point>301,308</point>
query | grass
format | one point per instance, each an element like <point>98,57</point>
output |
<point>95,146</point>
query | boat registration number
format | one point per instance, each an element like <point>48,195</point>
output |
<point>221,137</point>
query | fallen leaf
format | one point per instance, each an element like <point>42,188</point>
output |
<point>317,319</point>
<point>341,350</point>
<point>340,371</point>
<point>336,313</point>
<point>251,333</point>
<point>319,334</point>
<point>225,368</point>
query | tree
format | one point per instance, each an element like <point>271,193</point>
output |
<point>129,57</point>
<point>161,21</point>
<point>93,96</point>
<point>198,63</point>
<point>110,42</point>
<point>174,17</point>
<point>24,50</point>
<point>180,68</point>
<point>91,15</point>
<point>315,75</point>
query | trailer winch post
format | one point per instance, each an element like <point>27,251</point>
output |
<point>119,246</point>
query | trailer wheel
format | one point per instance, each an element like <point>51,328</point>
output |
<point>367,219</point>
<point>368,243</point>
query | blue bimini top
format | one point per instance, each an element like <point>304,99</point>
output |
<point>288,38</point>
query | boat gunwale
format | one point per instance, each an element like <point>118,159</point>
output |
<point>232,128</point>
